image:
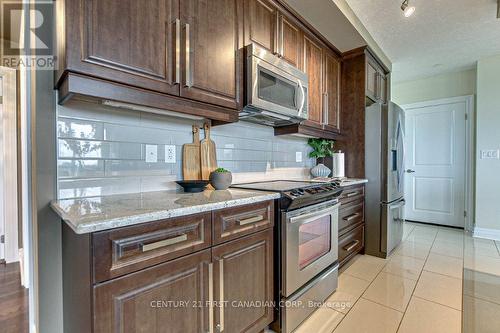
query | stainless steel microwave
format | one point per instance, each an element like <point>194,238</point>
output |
<point>276,92</point>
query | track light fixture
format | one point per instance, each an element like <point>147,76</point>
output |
<point>407,9</point>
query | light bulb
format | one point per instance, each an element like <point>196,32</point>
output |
<point>409,11</point>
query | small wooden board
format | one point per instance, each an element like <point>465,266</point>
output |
<point>208,154</point>
<point>191,168</point>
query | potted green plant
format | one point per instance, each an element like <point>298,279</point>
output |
<point>321,148</point>
<point>221,179</point>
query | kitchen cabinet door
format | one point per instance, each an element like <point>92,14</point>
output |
<point>260,21</point>
<point>169,297</point>
<point>290,41</point>
<point>383,88</point>
<point>243,273</point>
<point>372,84</point>
<point>331,109</point>
<point>110,40</point>
<point>210,52</point>
<point>313,66</point>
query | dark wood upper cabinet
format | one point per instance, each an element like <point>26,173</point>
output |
<point>313,66</point>
<point>183,56</point>
<point>136,302</point>
<point>371,80</point>
<point>243,272</point>
<point>211,60</point>
<point>331,109</point>
<point>290,41</point>
<point>384,89</point>
<point>108,39</point>
<point>260,21</point>
<point>376,80</point>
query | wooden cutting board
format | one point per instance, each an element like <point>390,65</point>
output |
<point>191,168</point>
<point>208,154</point>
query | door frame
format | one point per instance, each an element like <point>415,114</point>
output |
<point>9,184</point>
<point>470,122</point>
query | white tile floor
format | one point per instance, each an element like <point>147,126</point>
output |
<point>417,289</point>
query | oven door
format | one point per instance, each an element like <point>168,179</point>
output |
<point>276,90</point>
<point>310,243</point>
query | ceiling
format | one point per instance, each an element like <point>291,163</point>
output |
<point>327,18</point>
<point>441,36</point>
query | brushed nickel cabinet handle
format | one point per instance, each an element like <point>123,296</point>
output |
<point>282,39</point>
<point>162,243</point>
<point>352,194</point>
<point>276,35</point>
<point>177,51</point>
<point>220,325</point>
<point>351,246</point>
<point>351,217</point>
<point>189,82</point>
<point>211,298</point>
<point>251,220</point>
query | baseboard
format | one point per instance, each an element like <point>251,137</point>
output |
<point>493,234</point>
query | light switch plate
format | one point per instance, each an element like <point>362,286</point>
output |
<point>169,154</point>
<point>490,154</point>
<point>298,156</point>
<point>151,153</point>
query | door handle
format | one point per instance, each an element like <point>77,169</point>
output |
<point>189,82</point>
<point>350,246</point>
<point>410,171</point>
<point>177,51</point>
<point>220,325</point>
<point>210,298</point>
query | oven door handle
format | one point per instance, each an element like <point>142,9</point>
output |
<point>309,217</point>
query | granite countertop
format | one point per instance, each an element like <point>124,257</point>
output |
<point>85,215</point>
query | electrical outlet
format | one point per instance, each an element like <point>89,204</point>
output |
<point>151,153</point>
<point>298,156</point>
<point>490,154</point>
<point>169,154</point>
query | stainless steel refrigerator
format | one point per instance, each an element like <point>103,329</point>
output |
<point>384,169</point>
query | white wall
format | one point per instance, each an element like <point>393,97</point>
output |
<point>488,137</point>
<point>435,87</point>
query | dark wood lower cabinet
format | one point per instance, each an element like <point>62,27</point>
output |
<point>170,297</point>
<point>243,273</point>
<point>226,287</point>
<point>351,223</point>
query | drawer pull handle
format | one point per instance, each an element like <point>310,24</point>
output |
<point>165,242</point>
<point>352,194</point>
<point>351,217</point>
<point>251,220</point>
<point>351,246</point>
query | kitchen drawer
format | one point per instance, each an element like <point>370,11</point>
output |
<point>351,194</point>
<point>351,243</point>
<point>120,251</point>
<point>351,214</point>
<point>235,222</point>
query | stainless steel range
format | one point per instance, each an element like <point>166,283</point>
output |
<point>307,243</point>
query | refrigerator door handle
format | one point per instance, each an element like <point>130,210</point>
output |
<point>397,204</point>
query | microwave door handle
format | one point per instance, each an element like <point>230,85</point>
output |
<point>302,97</point>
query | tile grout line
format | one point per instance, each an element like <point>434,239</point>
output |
<point>427,300</point>
<point>418,280</point>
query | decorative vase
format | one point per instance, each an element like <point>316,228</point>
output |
<point>320,171</point>
<point>221,180</point>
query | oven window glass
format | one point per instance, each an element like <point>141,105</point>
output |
<point>276,90</point>
<point>314,240</point>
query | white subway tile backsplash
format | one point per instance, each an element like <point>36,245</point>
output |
<point>101,150</point>
<point>80,168</point>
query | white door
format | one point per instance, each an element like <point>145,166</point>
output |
<point>435,163</point>
<point>2,215</point>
